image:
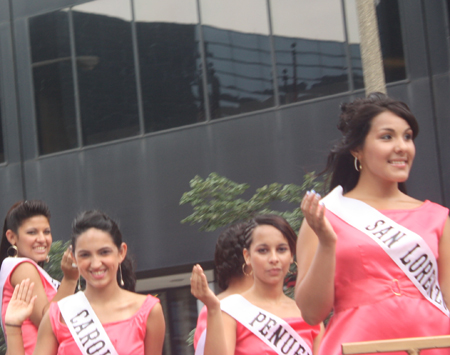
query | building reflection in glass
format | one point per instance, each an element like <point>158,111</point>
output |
<point>238,56</point>
<point>168,47</point>
<point>310,49</point>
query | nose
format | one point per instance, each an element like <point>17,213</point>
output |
<point>95,262</point>
<point>273,257</point>
<point>40,236</point>
<point>401,145</point>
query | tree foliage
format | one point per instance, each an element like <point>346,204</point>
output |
<point>217,201</point>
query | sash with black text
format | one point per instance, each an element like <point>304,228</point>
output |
<point>84,325</point>
<point>406,248</point>
<point>272,330</point>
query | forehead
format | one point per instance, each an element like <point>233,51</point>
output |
<point>267,234</point>
<point>389,120</point>
<point>93,238</point>
<point>35,221</point>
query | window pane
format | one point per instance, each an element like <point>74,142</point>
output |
<point>53,82</point>
<point>106,71</point>
<point>169,61</point>
<point>238,56</point>
<point>391,40</point>
<point>310,48</point>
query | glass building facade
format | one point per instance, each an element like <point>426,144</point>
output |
<point>113,69</point>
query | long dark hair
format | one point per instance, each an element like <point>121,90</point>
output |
<point>355,121</point>
<point>228,256</point>
<point>99,220</point>
<point>17,214</point>
<point>275,221</point>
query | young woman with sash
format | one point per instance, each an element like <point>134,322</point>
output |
<point>24,247</point>
<point>377,257</point>
<point>233,274</point>
<point>107,318</point>
<point>262,320</point>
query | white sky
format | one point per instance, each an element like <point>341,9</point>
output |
<point>312,19</point>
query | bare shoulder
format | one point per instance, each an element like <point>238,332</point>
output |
<point>25,270</point>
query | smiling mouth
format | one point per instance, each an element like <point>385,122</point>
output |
<point>40,249</point>
<point>98,274</point>
<point>398,162</point>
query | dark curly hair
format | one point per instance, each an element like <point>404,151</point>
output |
<point>228,255</point>
<point>99,220</point>
<point>355,121</point>
<point>275,221</point>
<point>17,214</point>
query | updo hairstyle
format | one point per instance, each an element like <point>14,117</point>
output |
<point>228,256</point>
<point>355,122</point>
<point>272,220</point>
<point>99,220</point>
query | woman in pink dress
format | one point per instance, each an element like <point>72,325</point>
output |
<point>113,318</point>
<point>24,248</point>
<point>275,324</point>
<point>233,276</point>
<point>375,292</point>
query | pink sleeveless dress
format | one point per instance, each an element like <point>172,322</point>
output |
<point>374,299</point>
<point>201,325</point>
<point>29,330</point>
<point>127,336</point>
<point>248,343</point>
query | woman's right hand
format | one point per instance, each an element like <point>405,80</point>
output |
<point>314,213</point>
<point>200,289</point>
<point>68,265</point>
<point>21,304</point>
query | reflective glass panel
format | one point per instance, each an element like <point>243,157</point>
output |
<point>310,48</point>
<point>106,70</point>
<point>53,82</point>
<point>238,57</point>
<point>169,60</point>
<point>391,41</point>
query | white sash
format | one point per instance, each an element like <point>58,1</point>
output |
<point>8,266</point>
<point>406,248</point>
<point>272,330</point>
<point>84,325</point>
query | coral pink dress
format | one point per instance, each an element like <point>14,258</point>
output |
<point>248,343</point>
<point>127,336</point>
<point>29,330</point>
<point>201,325</point>
<point>374,299</point>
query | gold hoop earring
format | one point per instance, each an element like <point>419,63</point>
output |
<point>47,259</point>
<point>12,251</point>
<point>121,278</point>
<point>358,167</point>
<point>243,270</point>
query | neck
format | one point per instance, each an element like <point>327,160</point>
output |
<point>104,294</point>
<point>375,189</point>
<point>271,293</point>
<point>237,285</point>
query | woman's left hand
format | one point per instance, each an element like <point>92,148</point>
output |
<point>21,304</point>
